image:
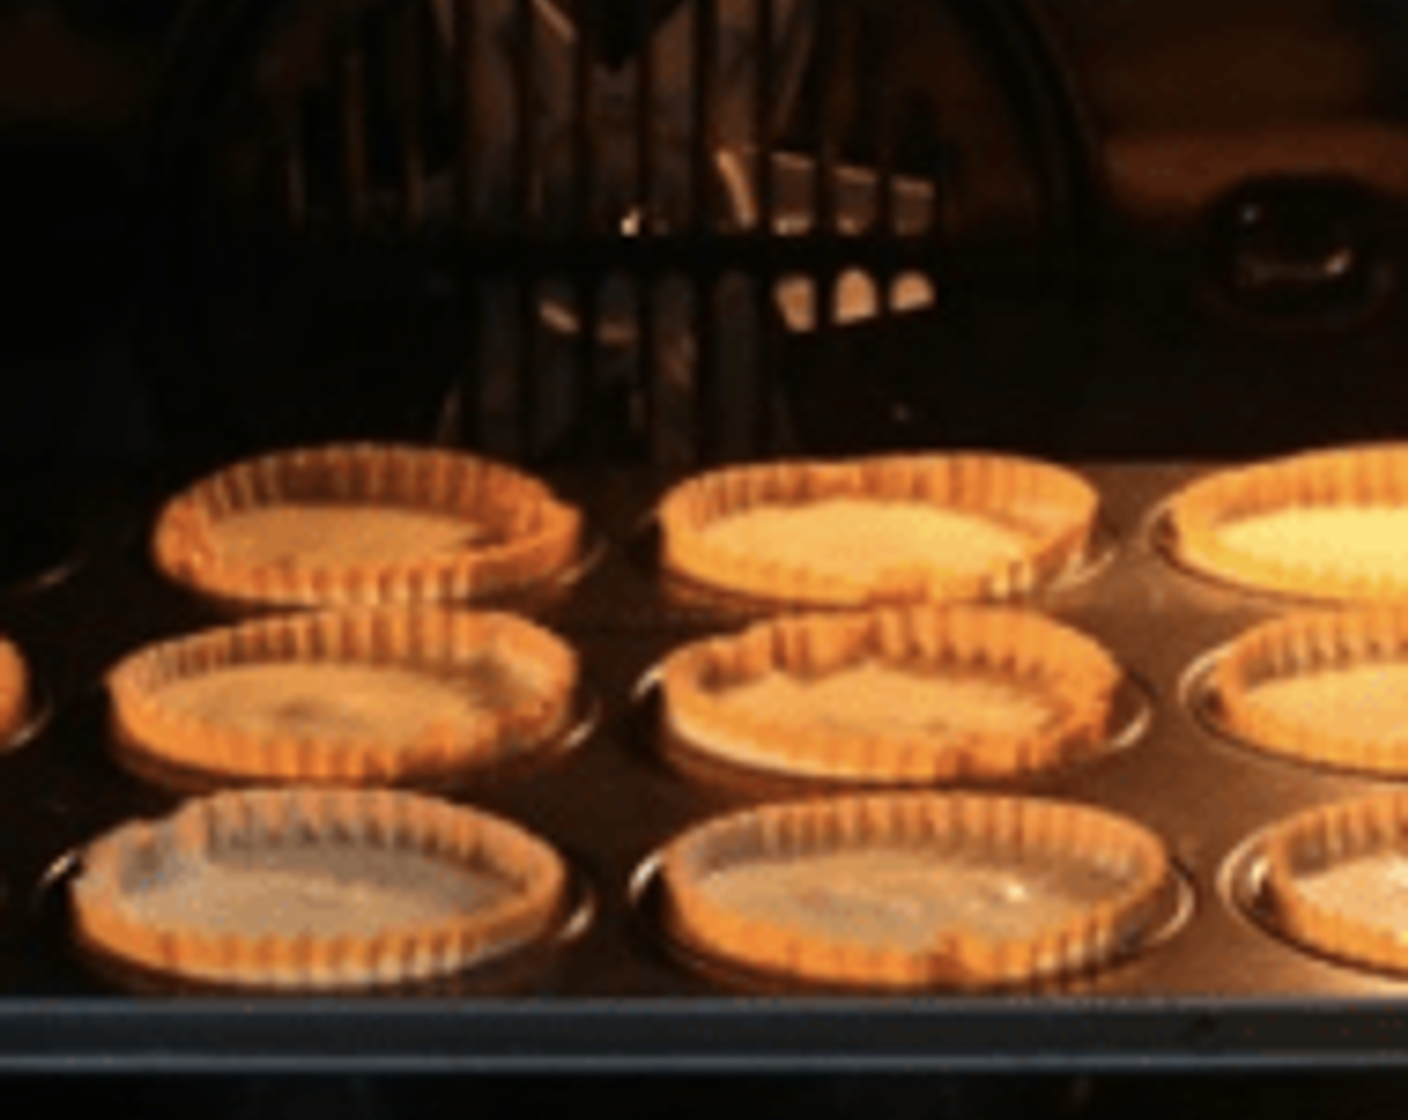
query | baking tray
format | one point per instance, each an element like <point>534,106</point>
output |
<point>611,993</point>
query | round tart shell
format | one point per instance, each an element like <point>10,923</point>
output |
<point>943,823</point>
<point>1318,839</point>
<point>1363,477</point>
<point>1302,645</point>
<point>107,921</point>
<point>535,537</point>
<point>1051,506</point>
<point>437,640</point>
<point>14,691</point>
<point>1074,676</point>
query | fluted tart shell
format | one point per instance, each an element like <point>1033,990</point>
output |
<point>886,529</point>
<point>365,524</point>
<point>346,697</point>
<point>1329,688</point>
<point>1326,525</point>
<point>304,889</point>
<point>917,694</point>
<point>1335,879</point>
<point>915,890</point>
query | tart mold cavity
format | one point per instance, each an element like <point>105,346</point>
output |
<point>1051,508</point>
<point>532,536</point>
<point>108,917</point>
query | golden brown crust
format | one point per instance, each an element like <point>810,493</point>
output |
<point>533,535</point>
<point>1358,477</point>
<point>1319,839</point>
<point>437,640</point>
<point>1298,646</point>
<point>1073,677</point>
<point>994,825</point>
<point>14,691</point>
<point>108,918</point>
<point>1051,506</point>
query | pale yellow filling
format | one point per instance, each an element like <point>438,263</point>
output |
<point>316,888</point>
<point>877,698</point>
<point>863,540</point>
<point>382,704</point>
<point>1371,890</point>
<point>908,899</point>
<point>1359,541</point>
<point>341,534</point>
<point>1367,702</point>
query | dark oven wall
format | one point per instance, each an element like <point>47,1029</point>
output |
<point>1257,168</point>
<point>1250,183</point>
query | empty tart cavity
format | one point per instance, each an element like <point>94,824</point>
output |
<point>1325,525</point>
<point>365,524</point>
<point>1328,688</point>
<point>304,889</point>
<point>916,694</point>
<point>354,697</point>
<point>916,890</point>
<point>1336,880</point>
<point>886,529</point>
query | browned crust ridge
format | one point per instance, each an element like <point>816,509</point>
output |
<point>1053,507</point>
<point>437,640</point>
<point>1374,475</point>
<point>1316,840</point>
<point>942,823</point>
<point>1302,645</point>
<point>534,536</point>
<point>106,918</point>
<point>1074,677</point>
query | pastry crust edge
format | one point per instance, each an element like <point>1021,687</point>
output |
<point>1299,645</point>
<point>1316,839</point>
<point>1369,475</point>
<point>105,920</point>
<point>1075,676</point>
<point>402,637</point>
<point>960,958</point>
<point>543,535</point>
<point>989,486</point>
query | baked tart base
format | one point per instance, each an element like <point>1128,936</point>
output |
<point>892,529</point>
<point>1329,689</point>
<point>922,694</point>
<point>1325,525</point>
<point>16,703</point>
<point>916,891</point>
<point>1336,880</point>
<point>365,525</point>
<point>353,697</point>
<point>309,890</point>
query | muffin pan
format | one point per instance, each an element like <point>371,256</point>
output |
<point>1214,986</point>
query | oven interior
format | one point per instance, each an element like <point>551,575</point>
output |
<point>621,242</point>
<point>676,233</point>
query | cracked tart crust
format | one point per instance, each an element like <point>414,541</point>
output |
<point>304,889</point>
<point>1324,524</point>
<point>1337,879</point>
<point>915,694</point>
<point>354,697</point>
<point>921,528</point>
<point>916,890</point>
<point>1324,687</point>
<point>365,524</point>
